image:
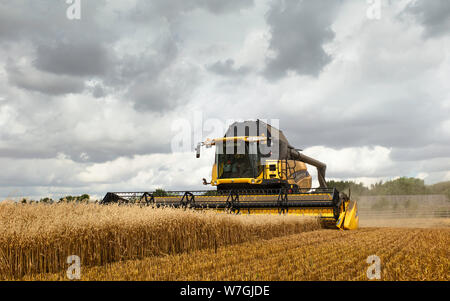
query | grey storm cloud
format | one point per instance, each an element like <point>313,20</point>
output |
<point>151,90</point>
<point>429,152</point>
<point>170,89</point>
<point>84,48</point>
<point>151,96</point>
<point>433,15</point>
<point>399,123</point>
<point>78,59</point>
<point>299,31</point>
<point>155,86</point>
<point>98,91</point>
<point>227,68</point>
<point>68,53</point>
<point>150,63</point>
<point>145,10</point>
<point>45,21</point>
<point>62,56</point>
<point>63,53</point>
<point>46,83</point>
<point>219,6</point>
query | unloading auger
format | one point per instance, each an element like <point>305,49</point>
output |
<point>257,171</point>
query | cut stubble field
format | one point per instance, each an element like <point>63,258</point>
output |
<point>132,243</point>
<point>406,254</point>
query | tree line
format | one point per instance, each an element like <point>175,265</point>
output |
<point>84,198</point>
<point>400,186</point>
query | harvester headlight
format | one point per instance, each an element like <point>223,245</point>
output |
<point>253,181</point>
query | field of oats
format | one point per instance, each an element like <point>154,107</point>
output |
<point>132,243</point>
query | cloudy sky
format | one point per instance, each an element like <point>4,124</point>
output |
<point>94,104</point>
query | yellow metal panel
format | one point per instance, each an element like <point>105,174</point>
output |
<point>351,221</point>
<point>235,180</point>
<point>340,220</point>
<point>214,173</point>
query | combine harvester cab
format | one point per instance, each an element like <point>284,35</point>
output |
<point>257,171</point>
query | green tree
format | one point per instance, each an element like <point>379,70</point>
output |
<point>400,186</point>
<point>344,186</point>
<point>46,200</point>
<point>160,192</point>
<point>84,198</point>
<point>441,188</point>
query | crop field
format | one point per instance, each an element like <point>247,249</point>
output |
<point>38,238</point>
<point>132,243</point>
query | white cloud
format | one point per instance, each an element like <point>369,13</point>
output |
<point>447,177</point>
<point>9,121</point>
<point>254,50</point>
<point>422,175</point>
<point>352,162</point>
<point>153,170</point>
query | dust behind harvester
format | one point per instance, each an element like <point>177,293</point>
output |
<point>257,171</point>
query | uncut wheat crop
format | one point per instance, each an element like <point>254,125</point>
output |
<point>37,238</point>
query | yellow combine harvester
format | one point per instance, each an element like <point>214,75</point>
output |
<point>257,171</point>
